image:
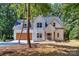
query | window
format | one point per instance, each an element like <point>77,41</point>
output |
<point>39,25</point>
<point>57,34</point>
<point>54,24</point>
<point>39,35</point>
<point>24,25</point>
<point>45,24</point>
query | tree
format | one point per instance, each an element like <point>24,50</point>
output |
<point>28,29</point>
<point>9,13</point>
<point>70,20</point>
<point>40,9</point>
<point>69,15</point>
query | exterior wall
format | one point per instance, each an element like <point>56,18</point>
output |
<point>36,30</point>
<point>49,28</point>
<point>35,36</point>
<point>14,34</point>
<point>57,25</point>
<point>39,19</point>
<point>61,34</point>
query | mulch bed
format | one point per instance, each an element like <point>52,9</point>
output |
<point>39,50</point>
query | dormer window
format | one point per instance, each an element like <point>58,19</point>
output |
<point>54,24</point>
<point>24,25</point>
<point>39,25</point>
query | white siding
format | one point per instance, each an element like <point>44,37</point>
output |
<point>57,25</point>
<point>61,34</point>
<point>36,30</point>
<point>14,35</point>
<point>49,28</point>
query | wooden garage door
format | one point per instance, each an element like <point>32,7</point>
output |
<point>23,36</point>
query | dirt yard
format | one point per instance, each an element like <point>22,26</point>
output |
<point>42,50</point>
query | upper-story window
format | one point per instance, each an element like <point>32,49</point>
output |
<point>25,25</point>
<point>39,25</point>
<point>54,24</point>
<point>45,24</point>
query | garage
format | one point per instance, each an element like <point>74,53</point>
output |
<point>23,36</point>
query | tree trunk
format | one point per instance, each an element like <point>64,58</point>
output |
<point>21,31</point>
<point>28,29</point>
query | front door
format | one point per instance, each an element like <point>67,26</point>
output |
<point>49,36</point>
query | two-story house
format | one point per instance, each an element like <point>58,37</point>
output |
<point>49,28</point>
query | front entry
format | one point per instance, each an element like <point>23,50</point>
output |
<point>49,36</point>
